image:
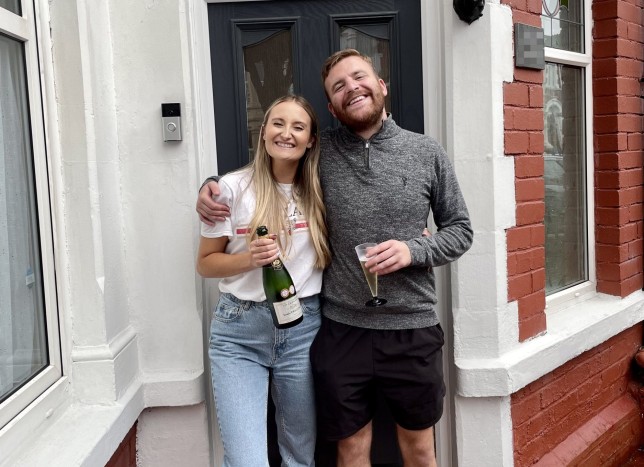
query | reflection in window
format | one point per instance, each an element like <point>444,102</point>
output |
<point>11,5</point>
<point>371,40</point>
<point>23,350</point>
<point>268,67</point>
<point>565,180</point>
<point>563,25</point>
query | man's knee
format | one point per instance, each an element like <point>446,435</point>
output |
<point>356,449</point>
<point>417,446</point>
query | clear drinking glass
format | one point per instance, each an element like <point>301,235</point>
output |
<point>372,278</point>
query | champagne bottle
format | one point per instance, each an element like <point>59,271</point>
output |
<point>280,291</point>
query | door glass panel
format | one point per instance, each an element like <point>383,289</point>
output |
<point>564,174</point>
<point>369,40</point>
<point>23,349</point>
<point>268,74</point>
<point>563,26</point>
<point>11,5</point>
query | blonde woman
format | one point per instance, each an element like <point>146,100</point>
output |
<point>279,189</point>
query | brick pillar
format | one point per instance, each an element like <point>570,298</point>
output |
<point>618,67</point>
<point>523,123</point>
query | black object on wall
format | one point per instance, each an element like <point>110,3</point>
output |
<point>469,10</point>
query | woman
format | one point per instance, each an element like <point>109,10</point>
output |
<point>279,189</point>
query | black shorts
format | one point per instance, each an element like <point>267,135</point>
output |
<point>350,364</point>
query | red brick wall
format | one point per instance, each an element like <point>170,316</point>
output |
<point>581,413</point>
<point>618,66</point>
<point>523,123</point>
<point>564,412</point>
<point>125,454</point>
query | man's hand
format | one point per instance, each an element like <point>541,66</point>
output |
<point>210,211</point>
<point>389,256</point>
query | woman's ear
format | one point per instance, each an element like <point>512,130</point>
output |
<point>311,141</point>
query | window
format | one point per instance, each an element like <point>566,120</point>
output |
<point>12,5</point>
<point>563,24</point>
<point>566,165</point>
<point>372,38</point>
<point>29,349</point>
<point>268,73</point>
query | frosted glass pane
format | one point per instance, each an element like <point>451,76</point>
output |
<point>268,67</point>
<point>373,47</point>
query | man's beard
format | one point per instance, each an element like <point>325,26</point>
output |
<point>366,120</point>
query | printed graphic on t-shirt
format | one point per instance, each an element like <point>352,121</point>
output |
<point>295,221</point>
<point>294,218</point>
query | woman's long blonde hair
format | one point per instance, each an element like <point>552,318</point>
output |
<point>307,192</point>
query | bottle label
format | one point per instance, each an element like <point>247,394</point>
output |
<point>288,310</point>
<point>277,264</point>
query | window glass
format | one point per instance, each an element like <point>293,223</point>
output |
<point>23,346</point>
<point>565,177</point>
<point>11,5</point>
<point>371,40</point>
<point>563,25</point>
<point>268,68</point>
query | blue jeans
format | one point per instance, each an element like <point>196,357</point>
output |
<point>244,348</point>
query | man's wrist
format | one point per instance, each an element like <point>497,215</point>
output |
<point>213,178</point>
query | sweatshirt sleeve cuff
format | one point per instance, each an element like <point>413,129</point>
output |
<point>213,178</point>
<point>418,253</point>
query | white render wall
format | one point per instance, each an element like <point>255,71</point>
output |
<point>126,238</point>
<point>478,59</point>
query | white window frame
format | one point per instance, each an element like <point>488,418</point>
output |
<point>584,290</point>
<point>23,29</point>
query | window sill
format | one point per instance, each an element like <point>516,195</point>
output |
<point>73,433</point>
<point>571,332</point>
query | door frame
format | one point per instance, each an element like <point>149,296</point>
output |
<point>435,114</point>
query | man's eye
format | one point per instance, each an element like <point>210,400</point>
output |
<point>339,88</point>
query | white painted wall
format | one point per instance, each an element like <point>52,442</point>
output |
<point>130,299</point>
<point>172,436</point>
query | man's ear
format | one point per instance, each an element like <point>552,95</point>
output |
<point>383,86</point>
<point>330,107</point>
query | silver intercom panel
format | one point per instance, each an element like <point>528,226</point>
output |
<point>171,118</point>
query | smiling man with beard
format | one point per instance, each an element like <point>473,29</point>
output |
<point>380,184</point>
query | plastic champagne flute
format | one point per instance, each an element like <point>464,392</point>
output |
<point>372,278</point>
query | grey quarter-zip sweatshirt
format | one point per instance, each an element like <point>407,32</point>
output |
<point>381,189</point>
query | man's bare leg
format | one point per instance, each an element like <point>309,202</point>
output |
<point>355,451</point>
<point>417,447</point>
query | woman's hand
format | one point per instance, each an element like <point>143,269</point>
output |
<point>263,251</point>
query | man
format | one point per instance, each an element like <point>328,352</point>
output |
<point>380,183</point>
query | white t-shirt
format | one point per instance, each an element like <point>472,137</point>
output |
<point>299,259</point>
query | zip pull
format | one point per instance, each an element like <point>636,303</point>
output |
<point>366,154</point>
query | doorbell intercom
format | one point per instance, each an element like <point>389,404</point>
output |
<point>171,118</point>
